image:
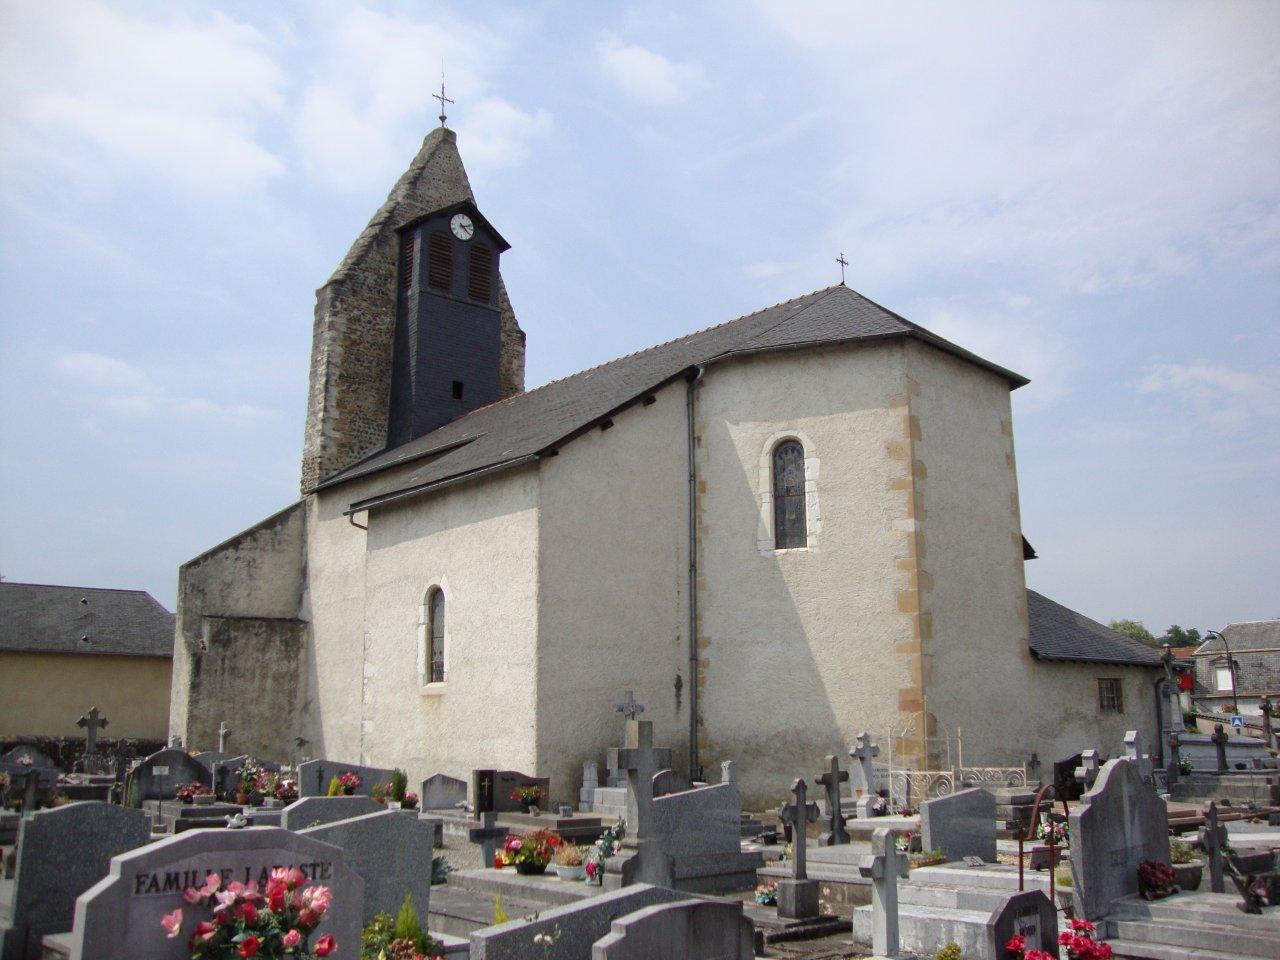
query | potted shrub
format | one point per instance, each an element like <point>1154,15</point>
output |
<point>530,853</point>
<point>348,783</point>
<point>1187,870</point>
<point>410,801</point>
<point>568,860</point>
<point>527,796</point>
<point>1155,880</point>
<point>286,790</point>
<point>378,792</point>
<point>398,787</point>
<point>1185,766</point>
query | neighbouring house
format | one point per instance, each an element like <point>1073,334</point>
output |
<point>65,650</point>
<point>1252,673</point>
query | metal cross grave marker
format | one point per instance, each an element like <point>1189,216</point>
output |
<point>835,833</point>
<point>92,722</point>
<point>798,813</point>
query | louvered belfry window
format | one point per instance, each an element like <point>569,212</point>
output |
<point>480,273</point>
<point>435,635</point>
<point>788,496</point>
<point>407,244</point>
<point>439,261</point>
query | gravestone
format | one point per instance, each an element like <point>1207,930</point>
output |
<point>728,771</point>
<point>798,896</point>
<point>209,758</point>
<point>1213,841</point>
<point>120,915</point>
<point>1266,708</point>
<point>442,792</point>
<point>314,777</point>
<point>1116,825</point>
<point>61,853</point>
<point>226,773</point>
<point>1065,784</point>
<point>92,722</point>
<point>24,759</point>
<point>835,834</point>
<point>1087,773</point>
<point>308,812</point>
<point>685,930</point>
<point>489,835</point>
<point>391,852</point>
<point>961,824</point>
<point>884,868</point>
<point>224,735</point>
<point>160,775</point>
<point>863,756</point>
<point>669,781</point>
<point>1173,771</point>
<point>493,789</point>
<point>1133,750</point>
<point>1219,741</point>
<point>1028,914</point>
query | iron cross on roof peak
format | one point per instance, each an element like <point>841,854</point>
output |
<point>843,263</point>
<point>442,98</point>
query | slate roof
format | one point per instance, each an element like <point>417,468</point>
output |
<point>1059,633</point>
<point>41,618</point>
<point>1250,635</point>
<point>516,430</point>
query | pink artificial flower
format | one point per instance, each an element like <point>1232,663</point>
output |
<point>172,922</point>
<point>292,939</point>
<point>317,899</point>
<point>226,899</point>
<point>192,895</point>
<point>205,930</point>
<point>211,883</point>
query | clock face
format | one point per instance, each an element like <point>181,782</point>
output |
<point>462,226</point>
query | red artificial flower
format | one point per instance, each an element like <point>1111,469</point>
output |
<point>1016,945</point>
<point>325,945</point>
<point>1083,926</point>
<point>292,939</point>
<point>248,913</point>
<point>249,947</point>
<point>275,895</point>
<point>205,930</point>
<point>1037,955</point>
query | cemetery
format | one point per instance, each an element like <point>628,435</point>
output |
<point>856,862</point>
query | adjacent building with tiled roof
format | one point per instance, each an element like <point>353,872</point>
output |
<point>1250,673</point>
<point>64,650</point>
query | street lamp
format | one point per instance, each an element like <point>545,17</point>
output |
<point>1231,668</point>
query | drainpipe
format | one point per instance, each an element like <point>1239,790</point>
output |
<point>1160,734</point>
<point>690,384</point>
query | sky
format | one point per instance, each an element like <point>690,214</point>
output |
<point>1087,193</point>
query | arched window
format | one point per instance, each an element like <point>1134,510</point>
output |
<point>788,496</point>
<point>440,261</point>
<point>435,636</point>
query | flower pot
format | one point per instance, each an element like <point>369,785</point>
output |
<point>205,799</point>
<point>571,873</point>
<point>242,798</point>
<point>1066,901</point>
<point>1187,875</point>
<point>531,869</point>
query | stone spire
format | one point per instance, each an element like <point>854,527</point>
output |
<point>347,399</point>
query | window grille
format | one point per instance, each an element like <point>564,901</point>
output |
<point>435,635</point>
<point>1110,695</point>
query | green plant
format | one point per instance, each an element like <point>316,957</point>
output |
<point>335,787</point>
<point>1064,879</point>
<point>950,952</point>
<point>399,785</point>
<point>499,915</point>
<point>1180,851</point>
<point>440,870</point>
<point>1185,766</point>
<point>569,855</point>
<point>376,936</point>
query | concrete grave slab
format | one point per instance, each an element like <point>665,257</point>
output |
<point>307,812</point>
<point>961,824</point>
<point>442,792</point>
<point>314,777</point>
<point>685,930</point>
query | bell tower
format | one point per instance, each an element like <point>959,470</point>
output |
<point>365,388</point>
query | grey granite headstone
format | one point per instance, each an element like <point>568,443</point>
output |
<point>208,758</point>
<point>1028,914</point>
<point>314,777</point>
<point>391,852</point>
<point>120,915</point>
<point>226,772</point>
<point>574,928</point>
<point>884,868</point>
<point>160,775</point>
<point>961,824</point>
<point>442,792</point>
<point>1116,825</point>
<point>24,759</point>
<point>685,930</point>
<point>669,781</point>
<point>61,853</point>
<point>317,811</point>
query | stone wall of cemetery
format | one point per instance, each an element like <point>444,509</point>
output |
<point>44,694</point>
<point>479,543</point>
<point>613,611</point>
<point>801,649</point>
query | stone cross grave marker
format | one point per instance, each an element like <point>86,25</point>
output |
<point>629,707</point>
<point>1033,768</point>
<point>864,756</point>
<point>884,868</point>
<point>30,781</point>
<point>1175,755</point>
<point>798,897</point>
<point>1268,732</point>
<point>224,733</point>
<point>91,722</point>
<point>640,761</point>
<point>1087,772</point>
<point>1133,750</point>
<point>488,835</point>
<point>1213,838</point>
<point>728,771</point>
<point>1219,740</point>
<point>835,834</point>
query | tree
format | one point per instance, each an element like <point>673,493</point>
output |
<point>1135,630</point>
<point>1178,637</point>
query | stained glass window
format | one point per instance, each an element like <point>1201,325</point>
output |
<point>788,496</point>
<point>435,634</point>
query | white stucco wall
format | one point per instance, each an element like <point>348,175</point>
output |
<point>798,646</point>
<point>613,613</point>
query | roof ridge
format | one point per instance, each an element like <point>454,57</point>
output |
<point>72,586</point>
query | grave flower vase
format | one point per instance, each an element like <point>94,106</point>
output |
<point>242,798</point>
<point>1187,875</point>
<point>529,869</point>
<point>204,799</point>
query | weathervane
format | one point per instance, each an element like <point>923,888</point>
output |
<point>442,98</point>
<point>843,263</point>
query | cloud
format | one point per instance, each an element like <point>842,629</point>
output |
<point>646,75</point>
<point>183,98</point>
<point>1222,399</point>
<point>124,388</point>
<point>369,96</point>
<point>763,269</point>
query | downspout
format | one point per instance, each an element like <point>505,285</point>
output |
<point>690,384</point>
<point>1160,737</point>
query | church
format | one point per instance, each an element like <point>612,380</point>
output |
<point>778,532</point>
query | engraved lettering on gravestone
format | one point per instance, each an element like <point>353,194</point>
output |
<point>176,881</point>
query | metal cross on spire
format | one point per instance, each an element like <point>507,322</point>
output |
<point>843,263</point>
<point>442,98</point>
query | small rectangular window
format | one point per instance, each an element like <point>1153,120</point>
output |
<point>457,389</point>
<point>1222,678</point>
<point>1110,695</point>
